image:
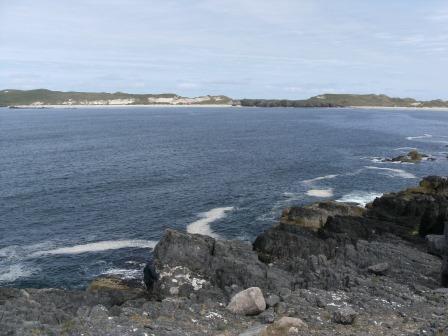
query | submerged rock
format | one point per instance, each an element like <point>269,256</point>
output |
<point>412,157</point>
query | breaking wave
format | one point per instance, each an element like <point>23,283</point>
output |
<point>98,247</point>
<point>359,197</point>
<point>320,178</point>
<point>320,192</point>
<point>202,225</point>
<point>393,172</point>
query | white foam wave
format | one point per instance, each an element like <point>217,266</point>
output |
<point>320,178</point>
<point>13,272</point>
<point>393,172</point>
<point>98,247</point>
<point>124,273</point>
<point>424,136</point>
<point>202,225</point>
<point>405,148</point>
<point>320,192</point>
<point>359,197</point>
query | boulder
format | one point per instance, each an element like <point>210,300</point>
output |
<point>379,269</point>
<point>248,302</point>
<point>285,326</point>
<point>345,315</point>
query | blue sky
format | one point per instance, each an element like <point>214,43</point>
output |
<point>241,48</point>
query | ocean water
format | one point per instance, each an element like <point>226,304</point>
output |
<point>90,191</point>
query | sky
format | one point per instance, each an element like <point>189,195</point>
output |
<point>241,48</point>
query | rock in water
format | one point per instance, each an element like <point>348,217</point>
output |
<point>248,302</point>
<point>379,269</point>
<point>345,315</point>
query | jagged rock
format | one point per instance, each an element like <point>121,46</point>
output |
<point>248,302</point>
<point>222,263</point>
<point>436,244</point>
<point>379,269</point>
<point>412,157</point>
<point>345,315</point>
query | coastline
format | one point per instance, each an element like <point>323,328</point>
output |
<point>37,107</point>
<point>325,268</point>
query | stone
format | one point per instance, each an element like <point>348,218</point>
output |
<point>267,317</point>
<point>257,330</point>
<point>379,269</point>
<point>248,302</point>
<point>345,315</point>
<point>436,244</point>
<point>287,322</point>
<point>272,300</point>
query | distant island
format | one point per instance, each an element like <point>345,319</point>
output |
<point>43,97</point>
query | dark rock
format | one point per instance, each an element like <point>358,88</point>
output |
<point>272,300</point>
<point>345,315</point>
<point>436,244</point>
<point>221,263</point>
<point>412,157</point>
<point>150,276</point>
<point>379,269</point>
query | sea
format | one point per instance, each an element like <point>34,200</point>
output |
<point>87,192</point>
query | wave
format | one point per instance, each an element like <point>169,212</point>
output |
<point>98,247</point>
<point>320,192</point>
<point>124,273</point>
<point>202,226</point>
<point>405,148</point>
<point>424,136</point>
<point>393,172</point>
<point>320,178</point>
<point>11,273</point>
<point>359,197</point>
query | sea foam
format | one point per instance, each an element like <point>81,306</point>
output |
<point>202,225</point>
<point>320,192</point>
<point>13,272</point>
<point>320,178</point>
<point>98,247</point>
<point>359,197</point>
<point>393,172</point>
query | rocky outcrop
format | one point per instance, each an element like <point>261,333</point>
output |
<point>412,157</point>
<point>227,265</point>
<point>314,216</point>
<point>359,271</point>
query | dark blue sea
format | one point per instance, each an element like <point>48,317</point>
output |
<point>89,191</point>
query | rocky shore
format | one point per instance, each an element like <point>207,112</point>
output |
<point>325,269</point>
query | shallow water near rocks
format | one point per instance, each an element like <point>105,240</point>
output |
<point>90,191</point>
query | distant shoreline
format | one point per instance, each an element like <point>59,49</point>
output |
<point>37,107</point>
